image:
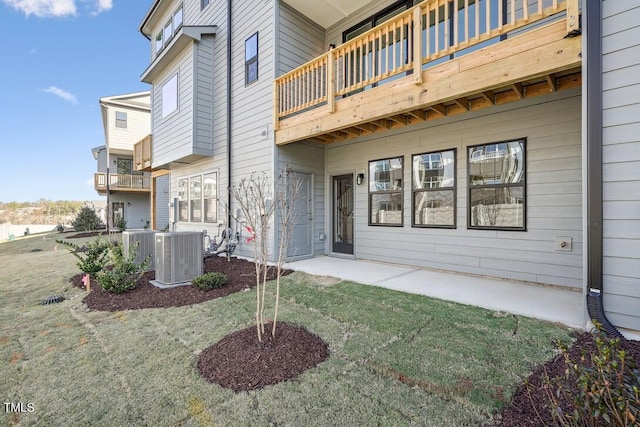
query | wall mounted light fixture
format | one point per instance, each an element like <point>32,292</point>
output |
<point>360,178</point>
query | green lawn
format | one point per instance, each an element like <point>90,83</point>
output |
<point>396,359</point>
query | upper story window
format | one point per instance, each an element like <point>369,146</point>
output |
<point>170,96</point>
<point>204,3</point>
<point>170,29</point>
<point>251,59</point>
<point>497,185</point>
<point>385,192</point>
<point>121,119</point>
<point>433,198</point>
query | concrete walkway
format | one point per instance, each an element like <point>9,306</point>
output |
<point>542,302</point>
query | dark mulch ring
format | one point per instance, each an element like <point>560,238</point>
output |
<point>242,363</point>
<point>240,275</point>
<point>86,234</point>
<point>530,404</point>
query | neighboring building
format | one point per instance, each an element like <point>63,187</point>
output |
<point>449,135</point>
<point>131,195</point>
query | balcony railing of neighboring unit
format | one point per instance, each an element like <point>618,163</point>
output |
<point>142,154</point>
<point>436,29</point>
<point>122,182</point>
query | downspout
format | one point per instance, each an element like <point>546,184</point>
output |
<point>593,65</point>
<point>228,113</point>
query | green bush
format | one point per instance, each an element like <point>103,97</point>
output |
<point>608,387</point>
<point>124,272</point>
<point>120,223</point>
<point>86,220</point>
<point>208,281</point>
<point>92,257</point>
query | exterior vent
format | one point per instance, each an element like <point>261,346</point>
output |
<point>178,257</point>
<point>145,248</point>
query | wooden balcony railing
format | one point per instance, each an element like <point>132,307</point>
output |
<point>431,31</point>
<point>121,182</point>
<point>142,154</point>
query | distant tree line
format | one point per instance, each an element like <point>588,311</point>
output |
<point>42,211</point>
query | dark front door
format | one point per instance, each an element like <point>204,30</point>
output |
<point>342,235</point>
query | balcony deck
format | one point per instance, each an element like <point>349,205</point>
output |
<point>468,60</point>
<point>142,154</point>
<point>121,182</point>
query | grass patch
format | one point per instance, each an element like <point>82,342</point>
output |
<point>396,358</point>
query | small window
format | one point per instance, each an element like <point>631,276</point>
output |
<point>121,119</point>
<point>251,59</point>
<point>204,3</point>
<point>385,192</point>
<point>195,199</point>
<point>183,201</point>
<point>168,32</point>
<point>170,96</point>
<point>433,198</point>
<point>159,43</point>
<point>210,197</point>
<point>497,186</point>
<point>177,19</point>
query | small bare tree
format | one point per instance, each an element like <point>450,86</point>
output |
<point>288,193</point>
<point>258,203</point>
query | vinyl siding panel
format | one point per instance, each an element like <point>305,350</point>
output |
<point>621,158</point>
<point>551,125</point>
<point>300,39</point>
<point>162,202</point>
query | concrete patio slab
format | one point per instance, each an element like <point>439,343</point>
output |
<point>549,303</point>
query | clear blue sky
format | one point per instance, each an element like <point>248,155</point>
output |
<point>58,58</point>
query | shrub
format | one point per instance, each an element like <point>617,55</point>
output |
<point>607,383</point>
<point>211,280</point>
<point>124,272</point>
<point>92,257</point>
<point>120,223</point>
<point>86,220</point>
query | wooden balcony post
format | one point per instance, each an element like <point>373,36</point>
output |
<point>331,81</point>
<point>417,45</point>
<point>573,18</point>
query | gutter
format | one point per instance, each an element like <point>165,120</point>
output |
<point>593,91</point>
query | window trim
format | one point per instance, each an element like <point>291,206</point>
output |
<point>400,191</point>
<point>453,188</point>
<point>177,97</point>
<point>522,185</point>
<point>187,199</point>
<point>173,18</point>
<point>252,60</point>
<point>120,122</point>
<point>204,4</point>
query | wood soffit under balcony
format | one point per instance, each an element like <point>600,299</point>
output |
<point>535,63</point>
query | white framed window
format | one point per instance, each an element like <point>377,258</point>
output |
<point>121,119</point>
<point>177,19</point>
<point>198,198</point>
<point>170,96</point>
<point>204,3</point>
<point>168,32</point>
<point>159,43</point>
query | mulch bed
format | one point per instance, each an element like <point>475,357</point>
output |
<point>530,404</point>
<point>240,276</point>
<point>241,363</point>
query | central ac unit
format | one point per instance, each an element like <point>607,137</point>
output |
<point>178,256</point>
<point>146,247</point>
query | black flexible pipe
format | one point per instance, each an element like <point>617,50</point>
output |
<point>595,307</point>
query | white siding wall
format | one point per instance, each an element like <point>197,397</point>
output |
<point>138,212</point>
<point>551,125</point>
<point>621,158</point>
<point>138,126</point>
<point>300,39</point>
